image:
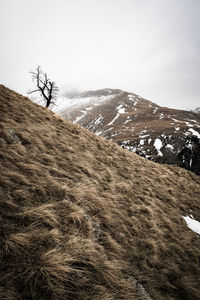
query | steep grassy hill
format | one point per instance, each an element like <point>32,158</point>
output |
<point>81,218</point>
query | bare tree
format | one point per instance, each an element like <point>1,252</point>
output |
<point>47,88</point>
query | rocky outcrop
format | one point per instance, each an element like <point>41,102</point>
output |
<point>189,156</point>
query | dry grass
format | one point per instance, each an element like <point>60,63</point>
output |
<point>82,218</point>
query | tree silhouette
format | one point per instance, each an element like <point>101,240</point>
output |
<point>47,88</point>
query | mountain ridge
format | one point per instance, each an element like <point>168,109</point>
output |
<point>158,133</point>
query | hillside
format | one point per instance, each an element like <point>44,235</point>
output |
<point>82,218</point>
<point>160,134</point>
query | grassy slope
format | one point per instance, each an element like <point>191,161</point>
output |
<point>81,217</point>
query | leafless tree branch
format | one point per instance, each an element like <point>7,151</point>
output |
<point>47,88</point>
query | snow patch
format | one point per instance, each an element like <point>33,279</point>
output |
<point>88,108</point>
<point>161,116</point>
<point>80,117</point>
<point>120,109</point>
<point>143,134</point>
<point>155,110</point>
<point>128,120</point>
<point>175,120</point>
<point>142,142</point>
<point>108,129</point>
<point>192,224</point>
<point>194,132</point>
<point>126,142</point>
<point>115,118</point>
<point>188,124</point>
<point>158,145</point>
<point>131,97</point>
<point>168,146</point>
<point>98,132</point>
<point>98,120</point>
<point>114,134</point>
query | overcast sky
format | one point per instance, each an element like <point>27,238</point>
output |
<point>148,47</point>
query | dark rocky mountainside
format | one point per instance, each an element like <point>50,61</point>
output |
<point>160,134</point>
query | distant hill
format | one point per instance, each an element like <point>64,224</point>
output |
<point>160,134</point>
<point>82,218</point>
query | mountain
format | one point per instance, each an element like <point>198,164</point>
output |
<point>161,134</point>
<point>197,110</point>
<point>82,218</point>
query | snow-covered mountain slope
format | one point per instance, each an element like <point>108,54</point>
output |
<point>159,133</point>
<point>84,101</point>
